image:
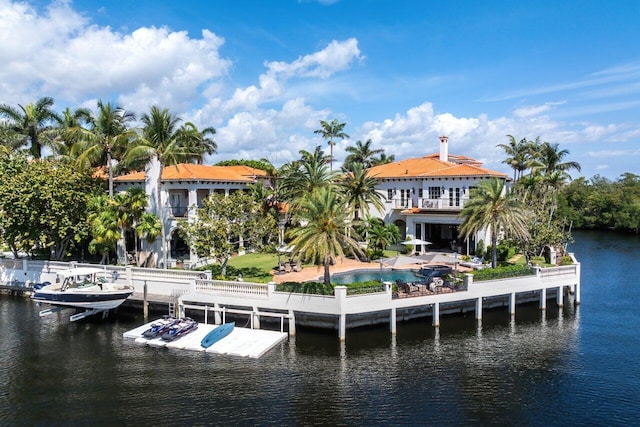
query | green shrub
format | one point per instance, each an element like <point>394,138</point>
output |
<point>502,272</point>
<point>480,252</point>
<point>566,260</point>
<point>318,288</point>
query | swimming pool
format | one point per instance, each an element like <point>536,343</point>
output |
<point>366,275</point>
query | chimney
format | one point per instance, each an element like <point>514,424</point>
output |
<point>444,148</point>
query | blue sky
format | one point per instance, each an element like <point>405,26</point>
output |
<point>401,73</point>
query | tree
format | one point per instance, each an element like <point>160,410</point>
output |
<point>43,206</point>
<point>303,176</point>
<point>222,222</point>
<point>163,140</point>
<point>130,205</point>
<point>331,130</point>
<point>326,232</point>
<point>490,207</point>
<point>361,153</point>
<point>517,152</point>
<point>359,190</point>
<point>35,122</point>
<point>381,235</point>
<point>102,218</point>
<point>106,138</point>
<point>382,159</point>
<point>65,145</point>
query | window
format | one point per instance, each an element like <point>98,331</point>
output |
<point>420,193</point>
<point>457,196</point>
<point>389,194</point>
<point>434,192</point>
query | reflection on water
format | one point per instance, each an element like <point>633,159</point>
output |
<point>543,368</point>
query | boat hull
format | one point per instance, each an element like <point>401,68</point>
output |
<point>96,300</point>
<point>217,334</point>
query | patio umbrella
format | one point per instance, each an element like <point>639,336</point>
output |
<point>398,261</point>
<point>416,242</point>
<point>284,249</point>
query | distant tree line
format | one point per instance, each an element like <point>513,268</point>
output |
<point>602,204</point>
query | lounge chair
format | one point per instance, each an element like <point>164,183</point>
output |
<point>287,267</point>
<point>296,267</point>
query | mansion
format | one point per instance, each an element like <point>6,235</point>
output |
<point>423,196</point>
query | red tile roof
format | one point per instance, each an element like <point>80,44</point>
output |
<point>193,172</point>
<point>431,166</point>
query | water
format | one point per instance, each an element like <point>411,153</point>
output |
<point>367,275</point>
<point>570,367</point>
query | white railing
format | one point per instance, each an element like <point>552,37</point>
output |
<point>564,270</point>
<point>223,287</point>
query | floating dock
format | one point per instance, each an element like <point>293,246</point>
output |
<point>240,342</point>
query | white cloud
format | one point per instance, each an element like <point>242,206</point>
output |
<point>61,54</point>
<point>335,57</point>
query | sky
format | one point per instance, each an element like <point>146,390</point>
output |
<point>264,73</point>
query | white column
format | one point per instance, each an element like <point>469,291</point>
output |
<point>543,299</point>
<point>255,315</point>
<point>561,296</point>
<point>292,323</point>
<point>217,319</point>
<point>512,304</point>
<point>436,314</point>
<point>479,308</point>
<point>392,321</point>
<point>342,332</point>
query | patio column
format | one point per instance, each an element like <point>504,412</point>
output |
<point>561,296</point>
<point>543,299</point>
<point>392,321</point>
<point>436,315</point>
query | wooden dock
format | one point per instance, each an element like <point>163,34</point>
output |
<point>242,342</point>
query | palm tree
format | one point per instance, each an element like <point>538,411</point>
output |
<point>361,153</point>
<point>331,130</point>
<point>198,143</point>
<point>381,235</point>
<point>382,159</point>
<point>303,176</point>
<point>33,122</point>
<point>106,138</point>
<point>131,205</point>
<point>103,221</point>
<point>163,140</point>
<point>517,152</point>
<point>148,227</point>
<point>359,190</point>
<point>490,208</point>
<point>326,233</point>
<point>65,145</point>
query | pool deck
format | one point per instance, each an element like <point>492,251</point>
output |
<point>316,272</point>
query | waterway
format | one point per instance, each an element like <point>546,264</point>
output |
<point>570,366</point>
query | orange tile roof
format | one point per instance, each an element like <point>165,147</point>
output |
<point>431,166</point>
<point>193,172</point>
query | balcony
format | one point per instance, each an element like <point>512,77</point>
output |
<point>179,211</point>
<point>428,204</point>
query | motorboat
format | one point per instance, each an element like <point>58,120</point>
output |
<point>84,288</point>
<point>217,334</point>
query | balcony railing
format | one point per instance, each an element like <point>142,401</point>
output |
<point>423,203</point>
<point>179,211</point>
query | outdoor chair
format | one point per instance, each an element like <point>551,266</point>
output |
<point>296,267</point>
<point>287,267</point>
